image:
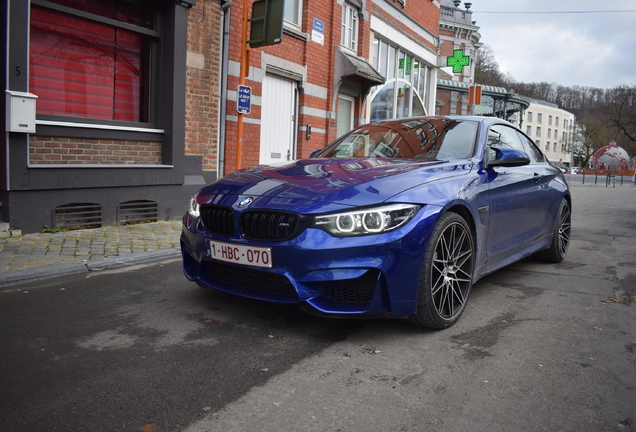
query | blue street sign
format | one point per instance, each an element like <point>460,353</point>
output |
<point>244,99</point>
<point>318,31</point>
<point>319,25</point>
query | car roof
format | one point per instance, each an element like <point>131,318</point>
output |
<point>481,119</point>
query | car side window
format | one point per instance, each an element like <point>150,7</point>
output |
<point>531,148</point>
<point>503,136</point>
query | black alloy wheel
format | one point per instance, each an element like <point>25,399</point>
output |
<point>446,278</point>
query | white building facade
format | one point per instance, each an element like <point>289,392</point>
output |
<point>550,127</point>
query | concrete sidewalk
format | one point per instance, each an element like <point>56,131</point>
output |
<point>44,255</point>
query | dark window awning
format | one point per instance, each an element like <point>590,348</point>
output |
<point>354,65</point>
<point>357,69</point>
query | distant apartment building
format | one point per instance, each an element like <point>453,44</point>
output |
<point>551,129</point>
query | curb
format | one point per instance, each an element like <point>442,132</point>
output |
<point>48,272</point>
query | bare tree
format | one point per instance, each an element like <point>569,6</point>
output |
<point>591,134</point>
<point>487,69</point>
<point>621,112</point>
<point>580,147</point>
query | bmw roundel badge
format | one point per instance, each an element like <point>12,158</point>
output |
<point>245,202</point>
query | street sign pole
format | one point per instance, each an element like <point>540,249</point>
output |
<point>474,97</point>
<point>245,65</point>
<point>267,29</point>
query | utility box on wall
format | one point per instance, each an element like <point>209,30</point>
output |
<point>20,111</point>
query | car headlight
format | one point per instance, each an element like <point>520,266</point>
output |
<point>374,220</point>
<point>193,208</point>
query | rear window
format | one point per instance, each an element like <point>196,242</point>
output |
<point>436,138</point>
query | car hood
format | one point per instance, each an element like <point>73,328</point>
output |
<point>319,185</point>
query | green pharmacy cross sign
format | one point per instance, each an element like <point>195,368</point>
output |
<point>458,61</point>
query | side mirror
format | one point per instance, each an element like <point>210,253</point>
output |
<point>508,157</point>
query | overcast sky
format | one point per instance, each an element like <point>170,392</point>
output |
<point>570,49</point>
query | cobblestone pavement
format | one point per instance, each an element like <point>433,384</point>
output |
<point>78,246</point>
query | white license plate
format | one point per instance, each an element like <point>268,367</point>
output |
<point>254,256</point>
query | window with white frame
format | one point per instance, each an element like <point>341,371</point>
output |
<point>538,131</point>
<point>404,93</point>
<point>349,36</point>
<point>293,9</point>
<point>554,147</point>
<point>529,116</point>
<point>528,130</point>
<point>539,118</point>
<point>549,120</point>
<point>556,122</point>
<point>549,133</point>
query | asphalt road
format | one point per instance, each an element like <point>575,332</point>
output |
<point>540,347</point>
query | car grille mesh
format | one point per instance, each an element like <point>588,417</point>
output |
<point>265,225</point>
<point>358,290</point>
<point>256,283</point>
<point>218,219</point>
<point>271,225</point>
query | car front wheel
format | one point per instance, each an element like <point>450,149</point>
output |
<point>446,278</point>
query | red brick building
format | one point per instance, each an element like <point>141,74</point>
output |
<point>119,110</point>
<point>457,32</point>
<point>459,36</point>
<point>340,64</point>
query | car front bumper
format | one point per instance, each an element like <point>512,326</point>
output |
<point>327,275</point>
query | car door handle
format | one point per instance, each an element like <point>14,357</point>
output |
<point>537,177</point>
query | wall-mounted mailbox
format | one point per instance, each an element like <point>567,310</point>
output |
<point>20,111</point>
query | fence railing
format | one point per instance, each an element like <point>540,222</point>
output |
<point>610,179</point>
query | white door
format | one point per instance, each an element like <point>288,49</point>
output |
<point>345,114</point>
<point>278,107</point>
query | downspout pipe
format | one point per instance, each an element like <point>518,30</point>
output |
<point>225,60</point>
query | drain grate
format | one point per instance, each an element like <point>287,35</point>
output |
<point>77,215</point>
<point>137,211</point>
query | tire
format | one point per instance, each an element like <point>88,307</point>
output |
<point>561,237</point>
<point>447,274</point>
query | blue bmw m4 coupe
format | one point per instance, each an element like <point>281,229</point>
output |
<point>396,218</point>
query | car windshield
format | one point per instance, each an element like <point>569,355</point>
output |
<point>432,138</point>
